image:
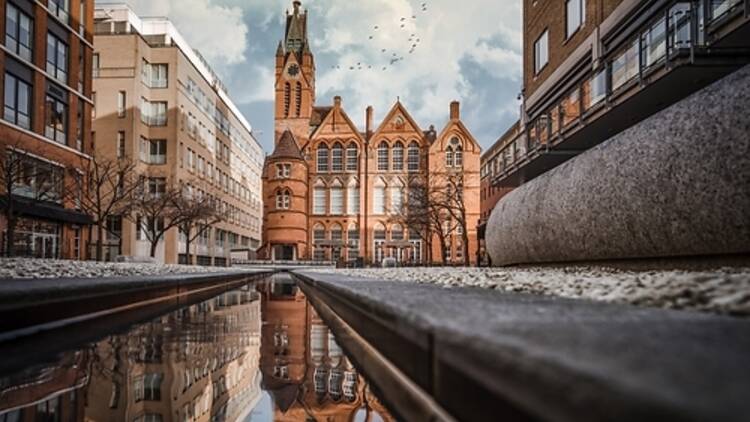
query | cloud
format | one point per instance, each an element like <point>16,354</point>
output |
<point>217,31</point>
<point>469,51</point>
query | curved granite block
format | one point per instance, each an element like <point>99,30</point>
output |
<point>676,184</point>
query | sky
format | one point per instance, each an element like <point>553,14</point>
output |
<point>468,50</point>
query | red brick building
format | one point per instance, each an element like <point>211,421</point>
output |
<point>330,189</point>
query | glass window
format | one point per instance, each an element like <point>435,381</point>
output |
<point>383,157</point>
<point>413,157</point>
<point>158,151</point>
<point>398,157</point>
<point>19,32</point>
<point>322,159</point>
<point>576,16</point>
<point>283,200</point>
<point>541,52</point>
<point>337,158</point>
<point>121,144</point>
<point>352,159</point>
<point>39,180</point>
<point>57,58</point>
<point>59,8</point>
<point>397,200</point>
<point>378,202</point>
<point>154,75</point>
<point>353,199</point>
<point>655,43</point>
<point>56,120</point>
<point>319,201</point>
<point>153,113</point>
<point>337,200</point>
<point>121,103</point>
<point>625,66</point>
<point>571,109</point>
<point>595,89</point>
<point>18,95</point>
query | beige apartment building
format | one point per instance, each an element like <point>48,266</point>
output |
<point>158,103</point>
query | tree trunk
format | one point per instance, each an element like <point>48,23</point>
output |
<point>188,257</point>
<point>154,245</point>
<point>465,241</point>
<point>99,241</point>
<point>10,235</point>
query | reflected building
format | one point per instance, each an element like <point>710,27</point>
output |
<point>304,369</point>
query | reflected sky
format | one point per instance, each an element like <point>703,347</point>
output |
<point>259,353</point>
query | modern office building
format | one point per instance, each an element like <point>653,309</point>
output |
<point>160,104</point>
<point>331,190</point>
<point>45,63</point>
<point>593,68</point>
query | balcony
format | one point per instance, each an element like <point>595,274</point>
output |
<point>672,53</point>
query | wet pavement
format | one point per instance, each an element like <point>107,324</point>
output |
<point>258,353</point>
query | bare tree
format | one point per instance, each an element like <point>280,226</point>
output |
<point>450,201</point>
<point>198,213</point>
<point>156,210</point>
<point>25,180</point>
<point>108,191</point>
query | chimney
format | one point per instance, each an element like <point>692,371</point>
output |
<point>337,101</point>
<point>297,5</point>
<point>368,120</point>
<point>455,110</point>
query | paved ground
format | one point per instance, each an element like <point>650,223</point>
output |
<point>22,268</point>
<point>725,291</point>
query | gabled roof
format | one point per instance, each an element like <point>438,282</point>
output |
<point>396,108</point>
<point>318,115</point>
<point>329,115</point>
<point>287,148</point>
<point>463,129</point>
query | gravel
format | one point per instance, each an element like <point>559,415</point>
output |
<point>23,268</point>
<point>724,290</point>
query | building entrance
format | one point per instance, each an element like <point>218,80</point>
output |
<point>284,253</point>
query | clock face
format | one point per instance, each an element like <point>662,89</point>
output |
<point>293,70</point>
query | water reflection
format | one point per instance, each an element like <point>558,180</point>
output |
<point>253,354</point>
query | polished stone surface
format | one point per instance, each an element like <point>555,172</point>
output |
<point>676,184</point>
<point>562,359</point>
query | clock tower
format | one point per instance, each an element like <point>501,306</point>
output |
<point>295,78</point>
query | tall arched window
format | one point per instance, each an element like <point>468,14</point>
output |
<point>352,238</point>
<point>397,232</point>
<point>383,156</point>
<point>397,198</point>
<point>283,199</point>
<point>378,199</point>
<point>337,198</point>
<point>352,200</point>
<point>319,198</point>
<point>413,156</point>
<point>379,239</point>
<point>337,241</point>
<point>458,153</point>
<point>337,157</point>
<point>322,158</point>
<point>352,157</point>
<point>287,98</point>
<point>299,99</point>
<point>319,236</point>
<point>398,157</point>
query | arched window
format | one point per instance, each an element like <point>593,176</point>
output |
<point>458,153</point>
<point>397,198</point>
<point>378,200</point>
<point>398,157</point>
<point>413,156</point>
<point>352,200</point>
<point>283,199</point>
<point>383,156</point>
<point>337,198</point>
<point>319,236</point>
<point>299,98</point>
<point>337,157</point>
<point>337,241</point>
<point>397,232</point>
<point>352,236</point>
<point>322,158</point>
<point>319,198</point>
<point>287,98</point>
<point>352,157</point>
<point>379,238</point>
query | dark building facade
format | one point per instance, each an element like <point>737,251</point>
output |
<point>45,127</point>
